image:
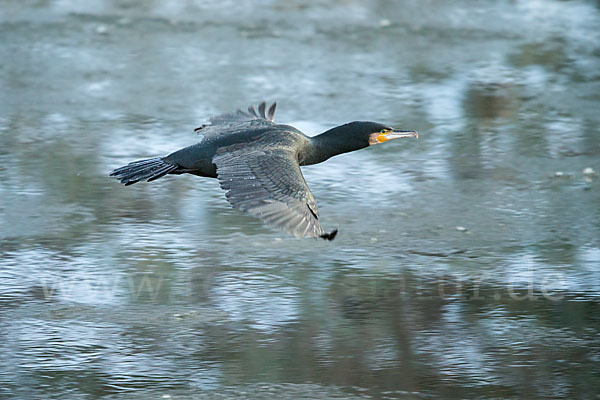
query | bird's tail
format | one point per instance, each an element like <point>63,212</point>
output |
<point>136,171</point>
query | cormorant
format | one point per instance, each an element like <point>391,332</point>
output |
<point>258,164</point>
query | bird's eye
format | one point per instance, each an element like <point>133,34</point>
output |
<point>384,131</point>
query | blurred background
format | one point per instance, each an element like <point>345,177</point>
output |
<point>467,263</point>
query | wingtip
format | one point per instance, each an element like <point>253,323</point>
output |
<point>261,110</point>
<point>252,111</point>
<point>330,236</point>
<point>271,112</point>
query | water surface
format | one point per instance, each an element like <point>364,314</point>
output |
<point>467,261</point>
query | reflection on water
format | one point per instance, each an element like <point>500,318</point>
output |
<point>467,261</point>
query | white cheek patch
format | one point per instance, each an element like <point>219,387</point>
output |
<point>373,138</point>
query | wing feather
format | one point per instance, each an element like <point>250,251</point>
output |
<point>269,184</point>
<point>237,121</point>
<point>271,113</point>
<point>261,110</point>
<point>252,112</point>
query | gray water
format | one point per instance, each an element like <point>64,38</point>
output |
<point>467,263</point>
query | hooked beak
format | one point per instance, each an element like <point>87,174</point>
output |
<point>395,134</point>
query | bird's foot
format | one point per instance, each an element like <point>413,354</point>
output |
<point>330,236</point>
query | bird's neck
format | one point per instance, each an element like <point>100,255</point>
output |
<point>331,143</point>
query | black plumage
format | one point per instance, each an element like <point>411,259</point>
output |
<point>258,164</point>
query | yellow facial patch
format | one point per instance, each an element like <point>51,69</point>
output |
<point>381,137</point>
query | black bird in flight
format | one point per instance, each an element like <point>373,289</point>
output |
<point>258,164</point>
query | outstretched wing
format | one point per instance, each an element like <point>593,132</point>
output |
<point>237,121</point>
<point>268,183</point>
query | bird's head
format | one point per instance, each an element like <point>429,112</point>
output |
<point>365,133</point>
<point>353,136</point>
<point>378,133</point>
